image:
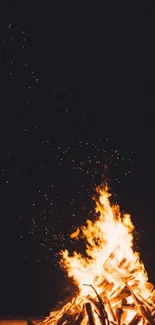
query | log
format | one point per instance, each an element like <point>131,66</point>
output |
<point>106,300</point>
<point>96,305</point>
<point>146,302</point>
<point>108,289</point>
<point>103,313</point>
<point>135,320</point>
<point>149,286</point>
<point>67,319</point>
<point>153,296</point>
<point>130,277</point>
<point>122,263</point>
<point>69,316</point>
<point>80,318</point>
<point>90,314</point>
<point>119,313</point>
<point>99,317</point>
<point>131,307</point>
<point>142,308</point>
<point>104,283</point>
<point>122,294</point>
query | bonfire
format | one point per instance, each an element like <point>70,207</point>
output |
<point>112,283</point>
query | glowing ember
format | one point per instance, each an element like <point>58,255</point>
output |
<point>112,281</point>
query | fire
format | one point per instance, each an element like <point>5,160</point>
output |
<point>112,281</point>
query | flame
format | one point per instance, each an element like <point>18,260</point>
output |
<point>110,264</point>
<point>75,234</point>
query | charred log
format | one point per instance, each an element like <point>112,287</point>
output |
<point>135,320</point>
<point>103,313</point>
<point>122,294</point>
<point>119,313</point>
<point>67,319</point>
<point>80,317</point>
<point>142,308</point>
<point>95,304</point>
<point>90,314</point>
<point>106,300</point>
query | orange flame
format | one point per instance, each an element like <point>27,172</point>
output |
<point>111,231</point>
<point>110,262</point>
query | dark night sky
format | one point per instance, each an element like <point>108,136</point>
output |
<point>77,92</point>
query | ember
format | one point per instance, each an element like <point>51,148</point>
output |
<point>112,281</point>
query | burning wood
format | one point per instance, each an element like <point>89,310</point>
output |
<point>96,306</point>
<point>107,301</point>
<point>135,319</point>
<point>116,290</point>
<point>120,295</point>
<point>142,308</point>
<point>90,314</point>
<point>129,307</point>
<point>119,312</point>
<point>103,313</point>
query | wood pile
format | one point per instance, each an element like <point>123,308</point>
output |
<point>121,304</point>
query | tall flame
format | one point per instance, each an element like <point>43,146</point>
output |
<point>110,263</point>
<point>111,233</point>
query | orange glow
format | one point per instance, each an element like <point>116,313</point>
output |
<point>110,266</point>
